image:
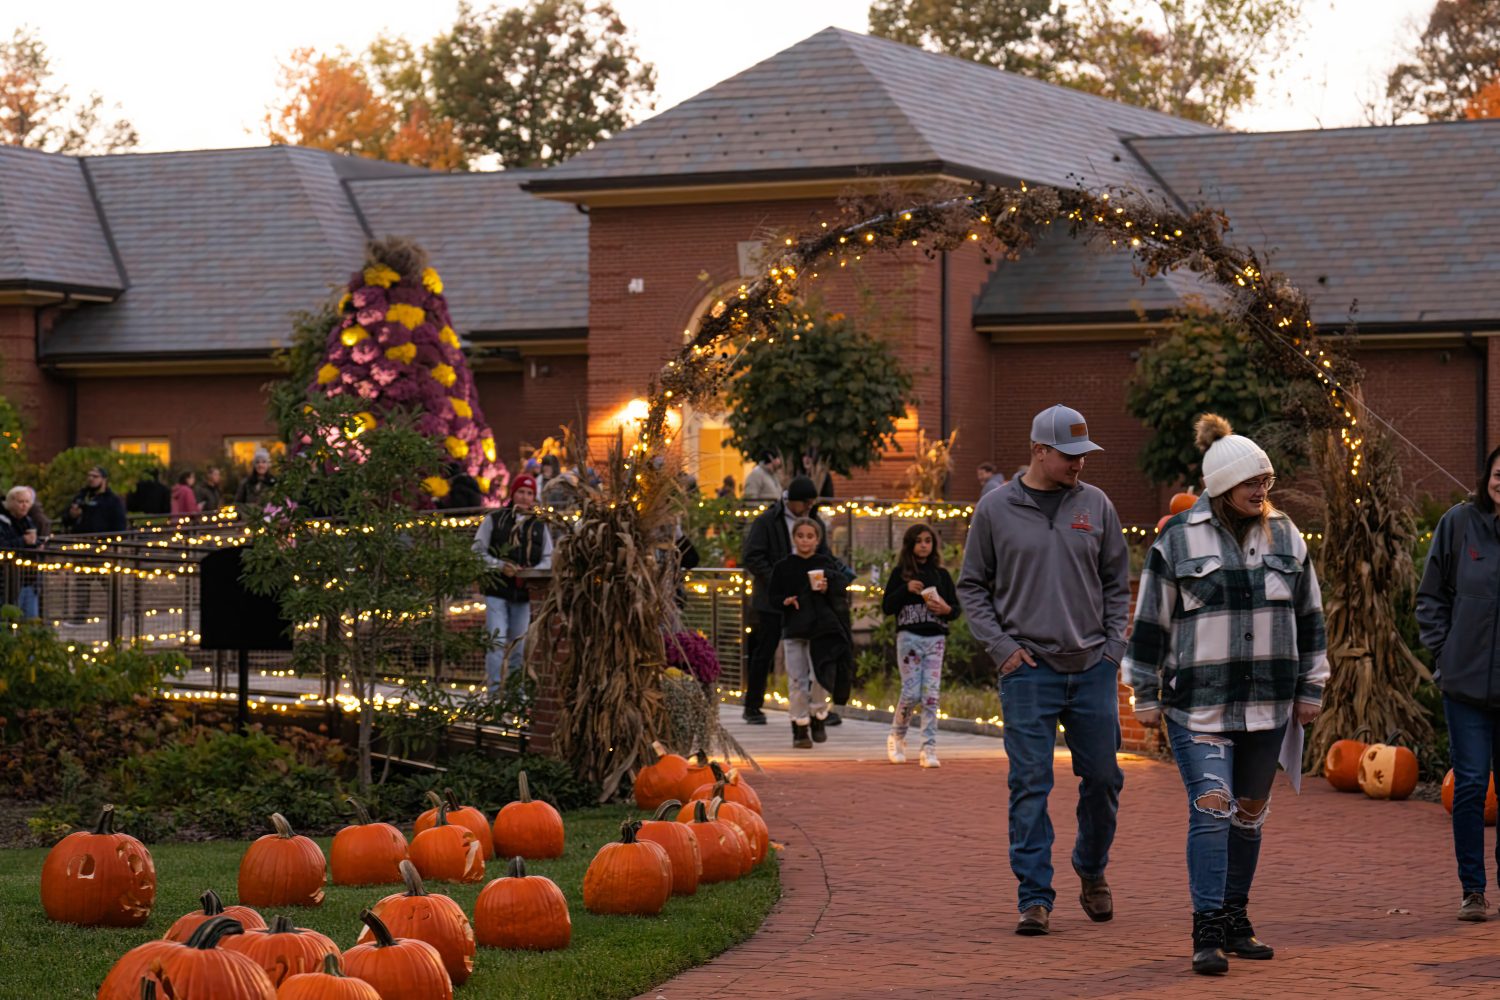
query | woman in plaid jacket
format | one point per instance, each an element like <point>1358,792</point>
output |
<point>1228,645</point>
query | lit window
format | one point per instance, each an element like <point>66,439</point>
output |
<point>161,448</point>
<point>241,450</point>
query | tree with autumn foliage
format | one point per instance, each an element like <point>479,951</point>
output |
<point>1456,57</point>
<point>331,102</point>
<point>1486,103</point>
<point>36,111</point>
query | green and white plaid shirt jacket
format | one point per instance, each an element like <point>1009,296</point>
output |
<point>1226,638</point>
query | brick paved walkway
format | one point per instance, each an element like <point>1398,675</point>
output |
<point>896,883</point>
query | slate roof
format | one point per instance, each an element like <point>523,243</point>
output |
<point>51,237</point>
<point>510,262</point>
<point>1404,219</point>
<point>839,103</point>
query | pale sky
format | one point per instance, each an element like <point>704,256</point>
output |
<point>191,74</point>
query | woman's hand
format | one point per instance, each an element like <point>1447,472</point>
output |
<point>1148,717</point>
<point>791,602</point>
<point>1307,713</point>
<point>915,586</point>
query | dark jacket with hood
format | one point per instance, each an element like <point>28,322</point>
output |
<point>1458,605</point>
<point>767,542</point>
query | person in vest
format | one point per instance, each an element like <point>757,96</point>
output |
<point>509,540</point>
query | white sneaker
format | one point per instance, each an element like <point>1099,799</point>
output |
<point>929,758</point>
<point>895,749</point>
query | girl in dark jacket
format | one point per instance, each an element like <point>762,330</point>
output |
<point>921,596</point>
<point>1456,607</point>
<point>804,585</point>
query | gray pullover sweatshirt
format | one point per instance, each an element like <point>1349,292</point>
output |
<point>1060,588</point>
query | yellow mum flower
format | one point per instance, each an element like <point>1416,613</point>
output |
<point>445,375</point>
<point>365,420</point>
<point>432,282</point>
<point>436,485</point>
<point>381,276</point>
<point>488,443</point>
<point>447,336</point>
<point>353,335</point>
<point>456,447</point>
<point>460,407</point>
<point>344,302</point>
<point>404,353</point>
<point>484,483</point>
<point>327,374</point>
<point>408,316</point>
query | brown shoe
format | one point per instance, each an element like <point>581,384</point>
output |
<point>1097,901</point>
<point>1034,921</point>
<point>1475,908</point>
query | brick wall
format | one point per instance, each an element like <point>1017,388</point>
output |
<point>194,412</point>
<point>1431,395</point>
<point>40,399</point>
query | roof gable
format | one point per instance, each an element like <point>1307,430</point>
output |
<point>51,236</point>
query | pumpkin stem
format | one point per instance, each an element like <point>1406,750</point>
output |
<point>700,811</point>
<point>209,932</point>
<point>434,799</point>
<point>212,904</point>
<point>525,786</point>
<point>383,936</point>
<point>700,758</point>
<point>283,828</point>
<point>452,799</point>
<point>628,830</point>
<point>106,822</point>
<point>282,924</point>
<point>713,807</point>
<point>361,814</point>
<point>718,770</point>
<point>441,819</point>
<point>331,966</point>
<point>667,808</point>
<point>1394,735</point>
<point>517,867</point>
<point>718,790</point>
<point>148,988</point>
<point>660,749</point>
<point>412,878</point>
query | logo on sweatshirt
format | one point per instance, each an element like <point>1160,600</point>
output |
<point>1081,521</point>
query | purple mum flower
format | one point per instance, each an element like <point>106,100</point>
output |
<point>338,355</point>
<point>369,317</point>
<point>384,372</point>
<point>369,297</point>
<point>408,295</point>
<point>364,352</point>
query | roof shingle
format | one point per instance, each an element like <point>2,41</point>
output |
<point>50,233</point>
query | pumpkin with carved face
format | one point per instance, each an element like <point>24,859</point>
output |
<point>99,879</point>
<point>1387,771</point>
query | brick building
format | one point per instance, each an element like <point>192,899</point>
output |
<point>141,295</point>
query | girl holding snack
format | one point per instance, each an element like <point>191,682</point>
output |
<point>921,595</point>
<point>805,585</point>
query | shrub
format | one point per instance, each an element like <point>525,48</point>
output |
<point>39,670</point>
<point>62,477</point>
<point>489,782</point>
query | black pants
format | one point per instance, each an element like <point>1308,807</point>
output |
<point>765,636</point>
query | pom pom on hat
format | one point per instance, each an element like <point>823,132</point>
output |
<point>1228,458</point>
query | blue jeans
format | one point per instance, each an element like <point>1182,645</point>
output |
<point>1034,700</point>
<point>1473,746</point>
<point>1228,778</point>
<point>29,602</point>
<point>507,622</point>
<point>920,658</point>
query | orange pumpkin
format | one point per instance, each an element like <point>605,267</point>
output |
<point>201,968</point>
<point>282,869</point>
<point>328,984</point>
<point>99,878</point>
<point>751,826</point>
<point>700,771</point>
<point>531,829</point>
<point>1341,764</point>
<point>183,927</point>
<point>366,852</point>
<point>628,876</point>
<point>125,978</point>
<point>658,782</point>
<point>461,815</point>
<point>398,968</point>
<point>1491,804</point>
<point>729,786</point>
<point>521,911</point>
<point>724,850</point>
<point>448,852</point>
<point>283,949</point>
<point>1387,771</point>
<point>681,845</point>
<point>433,918</point>
<point>1182,501</point>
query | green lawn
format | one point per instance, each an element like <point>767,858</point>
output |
<point>609,956</point>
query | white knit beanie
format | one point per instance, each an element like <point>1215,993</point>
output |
<point>1228,458</point>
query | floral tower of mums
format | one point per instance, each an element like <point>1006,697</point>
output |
<point>394,347</point>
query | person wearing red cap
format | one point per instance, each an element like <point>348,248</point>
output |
<point>509,540</point>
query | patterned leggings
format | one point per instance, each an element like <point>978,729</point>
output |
<point>921,660</point>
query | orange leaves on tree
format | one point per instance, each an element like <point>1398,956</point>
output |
<point>1486,103</point>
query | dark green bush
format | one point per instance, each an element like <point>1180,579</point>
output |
<point>40,671</point>
<point>489,783</point>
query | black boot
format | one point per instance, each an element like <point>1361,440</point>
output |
<point>1239,937</point>
<point>1208,943</point>
<point>800,739</point>
<point>819,734</point>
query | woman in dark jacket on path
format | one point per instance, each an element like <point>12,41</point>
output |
<point>1457,605</point>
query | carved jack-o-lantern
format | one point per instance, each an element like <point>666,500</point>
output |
<point>1387,771</point>
<point>99,879</point>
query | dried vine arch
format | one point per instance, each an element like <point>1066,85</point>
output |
<point>1367,535</point>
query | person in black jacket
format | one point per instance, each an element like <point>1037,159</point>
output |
<point>767,541</point>
<point>805,585</point>
<point>150,496</point>
<point>921,596</point>
<point>1457,602</point>
<point>96,508</point>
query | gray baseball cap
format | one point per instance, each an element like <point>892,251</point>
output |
<point>1063,428</point>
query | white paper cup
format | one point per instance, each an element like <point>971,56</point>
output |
<point>815,576</point>
<point>929,593</point>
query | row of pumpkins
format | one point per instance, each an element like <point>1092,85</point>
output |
<point>1388,771</point>
<point>416,945</point>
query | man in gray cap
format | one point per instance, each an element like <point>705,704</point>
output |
<point>1046,588</point>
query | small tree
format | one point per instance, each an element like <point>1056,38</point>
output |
<point>817,386</point>
<point>346,554</point>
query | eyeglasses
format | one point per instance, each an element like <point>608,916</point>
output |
<point>1264,483</point>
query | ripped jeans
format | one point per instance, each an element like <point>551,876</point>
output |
<point>1228,778</point>
<point>920,658</point>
